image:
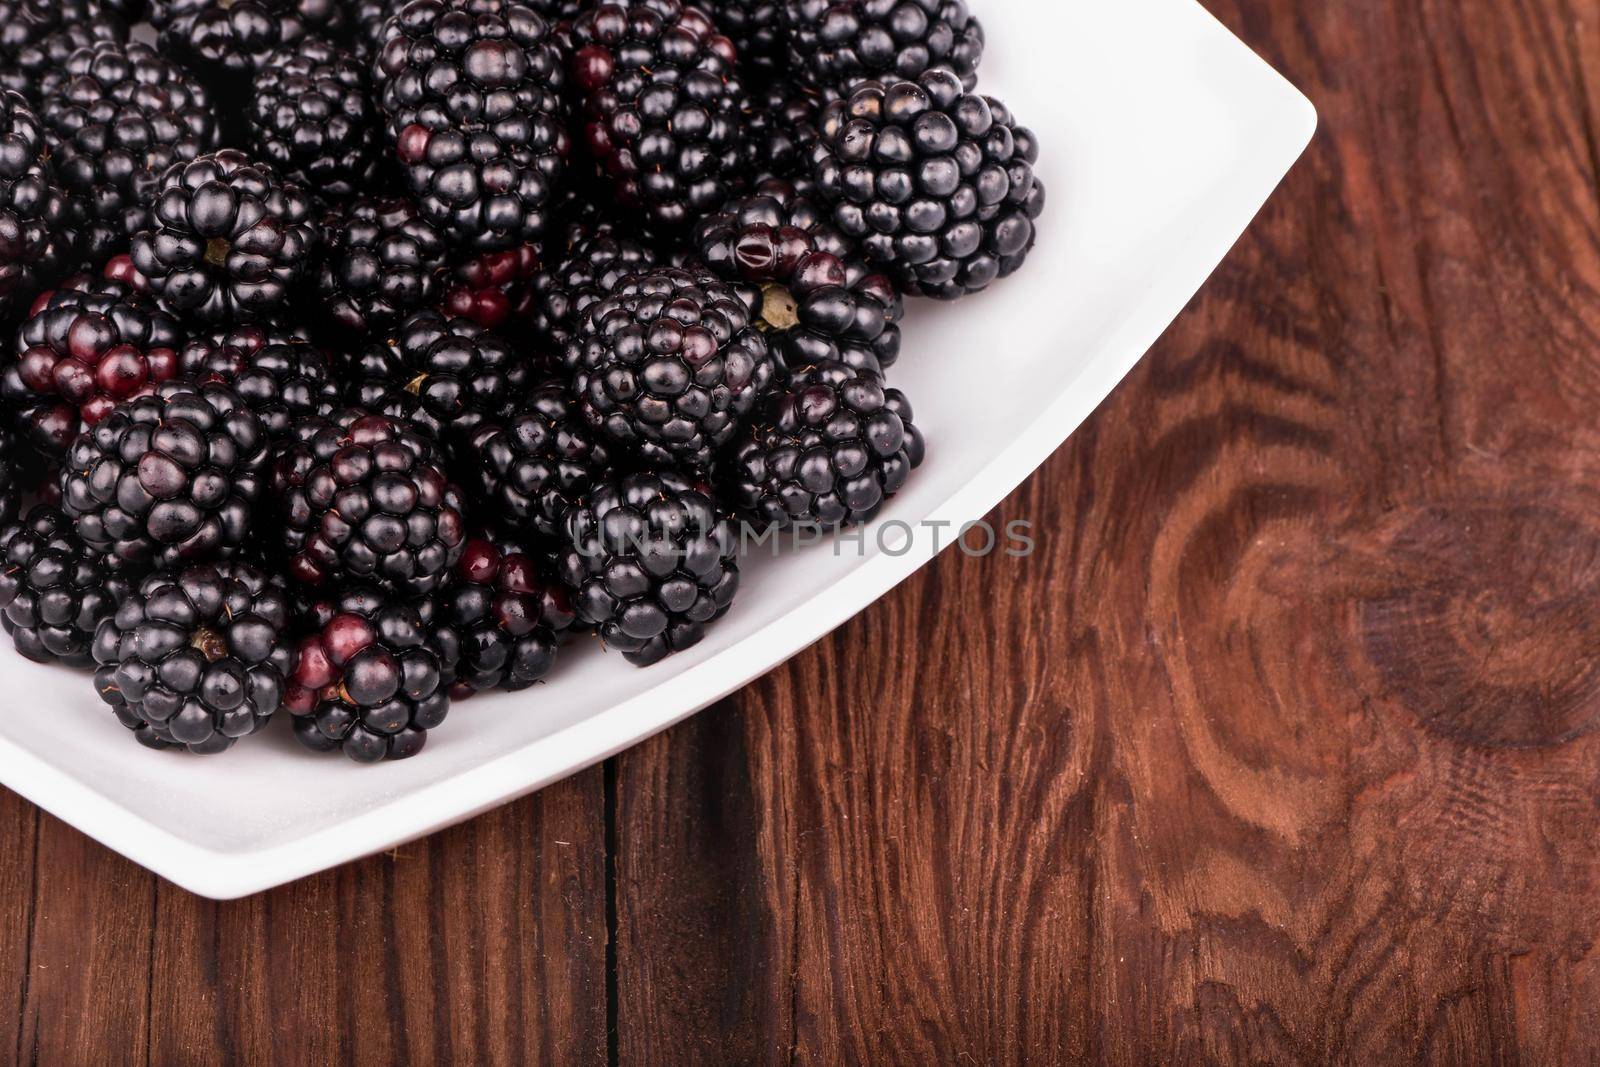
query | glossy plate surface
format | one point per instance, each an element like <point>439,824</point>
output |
<point>1162,137</point>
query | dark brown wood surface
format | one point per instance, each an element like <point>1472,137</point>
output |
<point>1281,750</point>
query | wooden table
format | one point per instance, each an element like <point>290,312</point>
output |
<point>1282,749</point>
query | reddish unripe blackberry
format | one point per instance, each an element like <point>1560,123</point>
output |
<point>820,303</point>
<point>527,471</point>
<point>835,45</point>
<point>381,262</point>
<point>507,615</point>
<point>669,365</point>
<point>167,479</point>
<point>87,347</point>
<point>936,184</point>
<point>828,451</point>
<point>650,562</point>
<point>493,288</point>
<point>228,240</point>
<point>366,500</point>
<point>311,118</point>
<point>53,590</point>
<point>282,383</point>
<point>34,236</point>
<point>372,678</point>
<point>473,97</point>
<point>197,658</point>
<point>662,107</point>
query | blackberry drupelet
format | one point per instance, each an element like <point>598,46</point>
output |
<point>493,288</point>
<point>197,658</point>
<point>936,183</point>
<point>167,479</point>
<point>118,115</point>
<point>835,45</point>
<point>595,257</point>
<point>528,471</point>
<point>507,616</point>
<point>828,451</point>
<point>89,346</point>
<point>33,214</point>
<point>282,383</point>
<point>650,562</point>
<point>445,374</point>
<point>473,95</point>
<point>381,262</point>
<point>372,679</point>
<point>669,365</point>
<point>662,107</point>
<point>53,591</point>
<point>819,302</point>
<point>366,500</point>
<point>228,241</point>
<point>37,36</point>
<point>311,118</point>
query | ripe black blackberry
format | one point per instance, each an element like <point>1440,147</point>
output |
<point>936,184</point>
<point>381,262</point>
<point>366,499</point>
<point>445,374</point>
<point>88,346</point>
<point>835,45</point>
<point>527,471</point>
<point>780,131</point>
<point>197,658</point>
<point>37,36</point>
<point>33,214</point>
<point>669,365</point>
<point>283,383</point>
<point>372,678</point>
<point>228,240</point>
<point>311,118</point>
<point>507,616</point>
<point>473,95</point>
<point>54,592</point>
<point>594,257</point>
<point>118,115</point>
<point>819,302</point>
<point>12,463</point>
<point>662,107</point>
<point>650,562</point>
<point>223,41</point>
<point>167,479</point>
<point>758,29</point>
<point>828,451</point>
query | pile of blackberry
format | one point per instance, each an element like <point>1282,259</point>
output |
<point>364,356</point>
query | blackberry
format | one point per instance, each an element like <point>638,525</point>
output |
<point>935,183</point>
<point>819,302</point>
<point>37,36</point>
<point>473,94</point>
<point>780,131</point>
<point>197,658</point>
<point>445,374</point>
<point>228,240</point>
<point>372,679</point>
<point>223,41</point>
<point>33,213</point>
<point>507,616</point>
<point>493,288</point>
<point>663,107</point>
<point>310,117</point>
<point>118,115</point>
<point>650,562</point>
<point>12,460</point>
<point>282,383</point>
<point>381,262</point>
<point>529,470</point>
<point>669,365</point>
<point>167,479</point>
<point>54,592</point>
<point>835,45</point>
<point>88,346</point>
<point>828,451</point>
<point>758,29</point>
<point>366,500</point>
<point>595,257</point>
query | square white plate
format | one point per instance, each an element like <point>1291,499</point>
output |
<point>1162,136</point>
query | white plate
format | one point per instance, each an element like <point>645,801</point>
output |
<point>1162,137</point>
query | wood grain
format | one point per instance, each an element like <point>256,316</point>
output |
<point>1281,749</point>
